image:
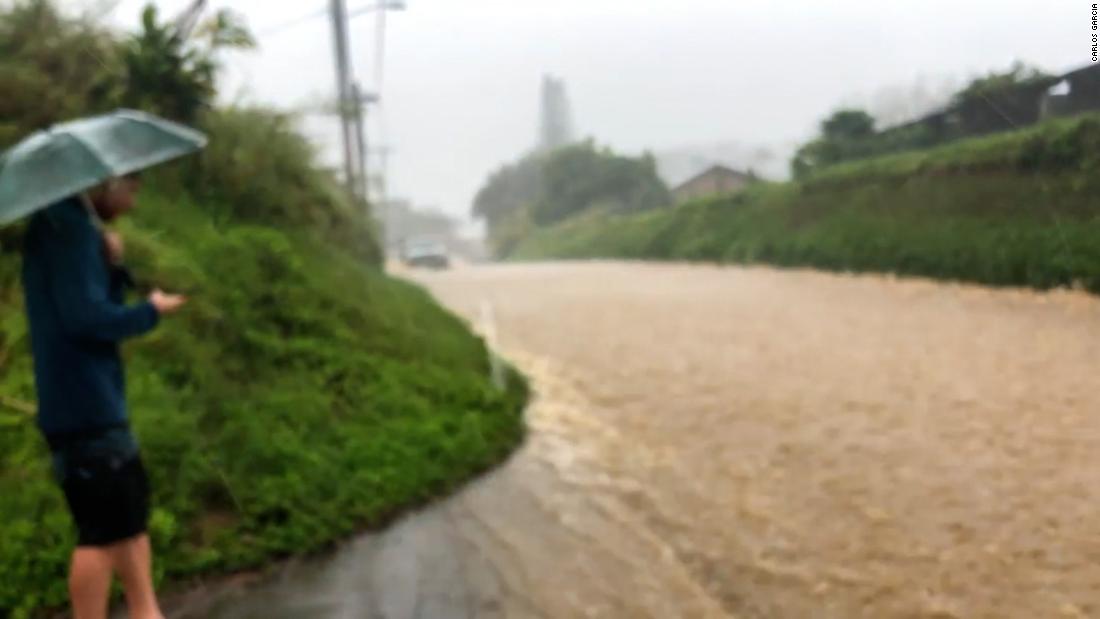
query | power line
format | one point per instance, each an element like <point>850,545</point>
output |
<point>351,100</point>
<point>298,21</point>
<point>273,30</point>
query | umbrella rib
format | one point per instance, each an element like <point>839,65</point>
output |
<point>96,156</point>
<point>95,152</point>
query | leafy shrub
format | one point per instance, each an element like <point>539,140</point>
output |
<point>41,49</point>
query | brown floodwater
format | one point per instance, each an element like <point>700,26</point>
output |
<point>732,442</point>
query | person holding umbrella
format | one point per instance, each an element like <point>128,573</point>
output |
<point>71,179</point>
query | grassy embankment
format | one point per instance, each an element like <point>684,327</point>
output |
<point>301,397</point>
<point>1017,209</point>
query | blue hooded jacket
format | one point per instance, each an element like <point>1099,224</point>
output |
<point>74,302</point>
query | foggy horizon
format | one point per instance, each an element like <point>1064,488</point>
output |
<point>461,89</point>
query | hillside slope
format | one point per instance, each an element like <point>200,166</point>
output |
<point>1018,208</point>
<point>302,396</point>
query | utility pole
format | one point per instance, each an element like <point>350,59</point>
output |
<point>339,13</point>
<point>186,21</point>
<point>383,152</point>
<point>362,100</point>
<point>389,223</point>
<point>362,188</point>
<point>351,101</point>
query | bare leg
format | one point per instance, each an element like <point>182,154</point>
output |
<point>90,583</point>
<point>133,560</point>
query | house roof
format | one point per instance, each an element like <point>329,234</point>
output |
<point>1092,68</point>
<point>1041,84</point>
<point>714,169</point>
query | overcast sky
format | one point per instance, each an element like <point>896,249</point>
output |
<point>462,76</point>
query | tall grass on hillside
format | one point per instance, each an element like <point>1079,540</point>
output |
<point>301,397</point>
<point>1015,209</point>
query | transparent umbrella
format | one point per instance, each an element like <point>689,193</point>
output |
<point>69,158</point>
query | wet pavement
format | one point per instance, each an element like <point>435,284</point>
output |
<point>728,442</point>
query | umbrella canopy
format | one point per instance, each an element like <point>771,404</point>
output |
<point>69,158</point>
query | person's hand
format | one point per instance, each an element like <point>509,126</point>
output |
<point>113,246</point>
<point>166,303</point>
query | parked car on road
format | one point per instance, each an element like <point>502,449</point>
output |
<point>426,252</point>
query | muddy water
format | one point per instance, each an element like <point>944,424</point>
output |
<point>721,442</point>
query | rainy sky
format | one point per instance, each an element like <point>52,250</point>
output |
<point>462,77</point>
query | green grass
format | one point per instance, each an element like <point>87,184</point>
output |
<point>1017,209</point>
<point>300,398</point>
<point>1068,144</point>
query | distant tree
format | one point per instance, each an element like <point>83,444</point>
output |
<point>848,125</point>
<point>545,188</point>
<point>1019,75</point>
<point>52,68</point>
<point>225,30</point>
<point>505,199</point>
<point>998,101</point>
<point>175,76</point>
<point>841,135</point>
<point>1001,101</point>
<point>509,189</point>
<point>580,177</point>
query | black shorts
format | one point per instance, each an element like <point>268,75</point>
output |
<point>107,494</point>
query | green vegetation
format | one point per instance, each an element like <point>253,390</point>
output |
<point>302,396</point>
<point>31,37</point>
<point>843,136</point>
<point>1062,146</point>
<point>174,76</point>
<point>543,189</point>
<point>1011,209</point>
<point>995,102</point>
<point>998,84</point>
<point>578,178</point>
